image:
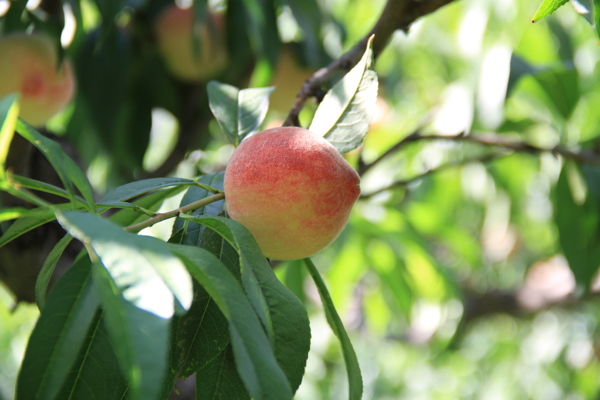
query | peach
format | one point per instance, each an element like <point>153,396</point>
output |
<point>292,190</point>
<point>29,65</point>
<point>175,41</point>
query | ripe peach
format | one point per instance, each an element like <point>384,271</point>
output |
<point>291,189</point>
<point>29,65</point>
<point>175,40</point>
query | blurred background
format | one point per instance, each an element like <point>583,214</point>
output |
<point>468,268</point>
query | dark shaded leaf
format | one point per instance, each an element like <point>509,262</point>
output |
<point>220,380</point>
<point>254,358</point>
<point>58,335</point>
<point>282,314</point>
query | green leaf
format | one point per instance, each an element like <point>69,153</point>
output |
<point>137,188</point>
<point>219,379</point>
<point>151,202</point>
<point>95,374</point>
<point>193,231</point>
<point>43,278</point>
<point>282,314</point>
<point>546,8</point>
<point>64,166</point>
<point>201,335</point>
<point>58,335</point>
<point>577,219</point>
<point>33,184</point>
<point>344,115</point>
<point>255,361</point>
<point>9,112</point>
<point>24,225</point>
<point>238,112</point>
<point>561,88</point>
<point>352,367</point>
<point>143,269</point>
<point>139,337</point>
<point>597,16</point>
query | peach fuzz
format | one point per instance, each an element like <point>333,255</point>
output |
<point>292,190</point>
<point>29,65</point>
<point>175,41</point>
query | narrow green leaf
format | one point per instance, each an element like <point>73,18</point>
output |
<point>33,184</point>
<point>58,335</point>
<point>597,16</point>
<point>65,167</point>
<point>344,115</point>
<point>139,337</point>
<point>255,361</point>
<point>142,267</point>
<point>8,214</point>
<point>238,112</point>
<point>9,112</point>
<point>137,188</point>
<point>546,8</point>
<point>352,367</point>
<point>43,278</point>
<point>282,314</point>
<point>95,373</point>
<point>219,379</point>
<point>24,225</point>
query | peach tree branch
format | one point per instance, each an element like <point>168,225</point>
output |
<point>174,213</point>
<point>488,139</point>
<point>397,14</point>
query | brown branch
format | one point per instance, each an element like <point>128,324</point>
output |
<point>397,14</point>
<point>405,182</point>
<point>488,139</point>
<point>174,213</point>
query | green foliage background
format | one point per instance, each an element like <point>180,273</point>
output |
<point>474,274</point>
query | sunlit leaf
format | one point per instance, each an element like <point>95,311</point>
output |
<point>239,112</point>
<point>143,269</point>
<point>9,111</point>
<point>344,115</point>
<point>546,8</point>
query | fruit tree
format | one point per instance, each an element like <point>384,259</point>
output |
<point>308,199</point>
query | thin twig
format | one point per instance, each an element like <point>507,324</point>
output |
<point>174,213</point>
<point>488,139</point>
<point>405,182</point>
<point>397,14</point>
